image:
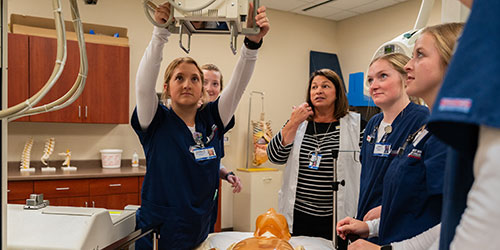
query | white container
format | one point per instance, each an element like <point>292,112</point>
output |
<point>111,158</point>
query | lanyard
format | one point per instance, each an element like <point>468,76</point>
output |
<point>410,139</point>
<point>319,140</point>
<point>372,137</point>
<point>198,138</point>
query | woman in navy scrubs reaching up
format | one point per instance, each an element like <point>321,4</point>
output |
<point>180,185</point>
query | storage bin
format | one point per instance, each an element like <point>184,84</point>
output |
<point>111,158</point>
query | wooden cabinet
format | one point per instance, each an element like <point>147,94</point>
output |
<point>82,201</point>
<point>62,188</point>
<point>111,193</point>
<point>19,191</point>
<point>18,69</point>
<point>115,201</point>
<point>114,193</point>
<point>105,98</point>
<point>73,193</point>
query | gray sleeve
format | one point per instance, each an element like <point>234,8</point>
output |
<point>147,74</point>
<point>231,95</point>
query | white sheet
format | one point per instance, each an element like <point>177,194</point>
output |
<point>224,239</point>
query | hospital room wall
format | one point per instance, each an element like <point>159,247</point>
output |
<point>360,36</point>
<point>281,72</point>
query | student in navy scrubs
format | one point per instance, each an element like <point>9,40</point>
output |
<point>387,130</point>
<point>413,184</point>
<point>183,143</point>
<point>213,84</point>
<point>467,117</point>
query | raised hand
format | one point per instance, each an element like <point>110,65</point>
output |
<point>261,20</point>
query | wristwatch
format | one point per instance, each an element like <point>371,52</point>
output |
<point>386,247</point>
<point>228,174</point>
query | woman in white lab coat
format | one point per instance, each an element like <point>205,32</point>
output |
<point>318,131</point>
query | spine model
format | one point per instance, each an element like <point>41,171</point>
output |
<point>26,155</point>
<point>48,150</point>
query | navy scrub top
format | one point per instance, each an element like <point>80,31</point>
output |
<point>467,100</point>
<point>413,188</point>
<point>373,168</point>
<point>178,190</point>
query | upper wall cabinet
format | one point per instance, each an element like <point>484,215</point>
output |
<point>105,98</point>
<point>18,76</point>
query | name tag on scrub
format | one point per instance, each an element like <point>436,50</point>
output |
<point>201,154</point>
<point>382,149</point>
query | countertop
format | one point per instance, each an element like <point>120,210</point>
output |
<point>86,169</point>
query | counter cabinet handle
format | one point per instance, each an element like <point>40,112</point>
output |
<point>115,185</point>
<point>62,189</point>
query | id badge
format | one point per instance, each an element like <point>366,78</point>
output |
<point>201,154</point>
<point>382,149</point>
<point>315,161</point>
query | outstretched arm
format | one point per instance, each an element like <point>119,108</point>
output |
<point>231,95</point>
<point>149,67</point>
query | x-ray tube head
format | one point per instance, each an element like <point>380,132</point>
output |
<point>403,44</point>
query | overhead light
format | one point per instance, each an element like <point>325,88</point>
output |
<point>318,4</point>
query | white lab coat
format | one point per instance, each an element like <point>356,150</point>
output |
<point>349,169</point>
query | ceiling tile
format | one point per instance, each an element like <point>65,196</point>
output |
<point>379,4</point>
<point>348,4</point>
<point>287,5</point>
<point>342,15</point>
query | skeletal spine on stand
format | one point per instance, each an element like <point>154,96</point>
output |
<point>48,150</point>
<point>262,135</point>
<point>26,155</point>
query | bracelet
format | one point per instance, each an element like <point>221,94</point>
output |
<point>251,44</point>
<point>228,174</point>
<point>386,247</point>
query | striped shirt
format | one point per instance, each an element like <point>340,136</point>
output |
<point>314,194</point>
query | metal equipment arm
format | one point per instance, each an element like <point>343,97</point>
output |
<point>57,71</point>
<point>79,84</point>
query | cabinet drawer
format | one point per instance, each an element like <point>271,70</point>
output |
<point>19,190</point>
<point>71,201</point>
<point>62,188</point>
<point>106,186</point>
<point>115,201</point>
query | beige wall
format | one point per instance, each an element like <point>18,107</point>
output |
<point>281,72</point>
